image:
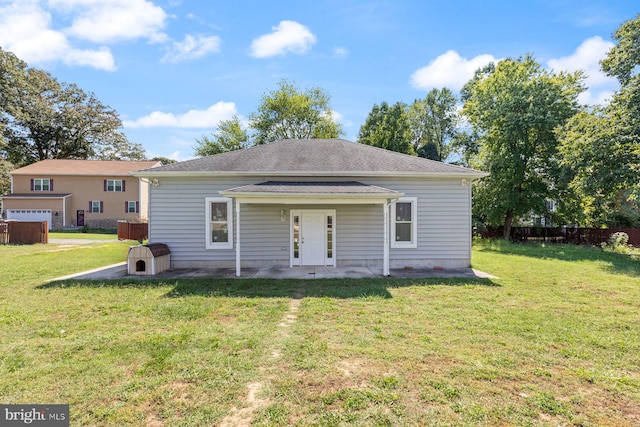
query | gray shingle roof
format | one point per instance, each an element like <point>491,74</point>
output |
<point>351,188</point>
<point>312,157</point>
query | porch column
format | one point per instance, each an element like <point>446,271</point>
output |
<point>385,252</point>
<point>237,238</point>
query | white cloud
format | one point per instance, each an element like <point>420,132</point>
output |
<point>340,52</point>
<point>288,36</point>
<point>102,21</point>
<point>25,31</point>
<point>208,118</point>
<point>602,97</point>
<point>192,48</point>
<point>449,70</point>
<point>587,58</point>
<point>339,118</point>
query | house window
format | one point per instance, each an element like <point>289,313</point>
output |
<point>296,236</point>
<point>41,185</point>
<point>131,206</point>
<point>219,222</point>
<point>329,236</point>
<point>114,185</point>
<point>96,206</point>
<point>404,223</point>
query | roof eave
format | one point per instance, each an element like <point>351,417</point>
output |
<point>159,174</point>
<point>311,195</point>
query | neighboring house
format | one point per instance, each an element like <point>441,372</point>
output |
<point>73,193</point>
<point>323,202</point>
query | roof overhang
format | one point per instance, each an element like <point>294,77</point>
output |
<point>189,174</point>
<point>36,196</point>
<point>342,192</point>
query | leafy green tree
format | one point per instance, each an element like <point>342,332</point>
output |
<point>515,107</point>
<point>163,160</point>
<point>292,113</point>
<point>229,136</point>
<point>601,147</point>
<point>5,180</point>
<point>118,148</point>
<point>623,63</point>
<point>388,127</point>
<point>46,119</point>
<point>434,122</point>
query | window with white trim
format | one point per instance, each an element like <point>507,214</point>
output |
<point>404,223</point>
<point>113,185</point>
<point>95,206</point>
<point>42,185</point>
<point>131,206</point>
<point>219,223</point>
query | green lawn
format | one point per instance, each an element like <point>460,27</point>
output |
<point>555,340</point>
<point>84,236</point>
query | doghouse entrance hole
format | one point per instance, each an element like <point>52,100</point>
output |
<point>141,265</point>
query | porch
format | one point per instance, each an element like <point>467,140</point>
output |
<point>118,271</point>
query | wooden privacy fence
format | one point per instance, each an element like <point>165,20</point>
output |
<point>133,230</point>
<point>24,233</point>
<point>574,235</point>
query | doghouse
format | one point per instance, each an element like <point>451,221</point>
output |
<point>149,259</point>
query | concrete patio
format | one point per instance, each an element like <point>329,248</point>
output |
<point>119,271</point>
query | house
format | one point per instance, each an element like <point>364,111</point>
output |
<point>321,202</point>
<point>74,193</point>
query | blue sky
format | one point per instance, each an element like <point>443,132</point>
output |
<point>173,69</point>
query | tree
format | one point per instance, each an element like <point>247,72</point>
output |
<point>163,160</point>
<point>5,180</point>
<point>387,127</point>
<point>118,148</point>
<point>46,119</point>
<point>229,136</point>
<point>433,122</point>
<point>515,107</point>
<point>601,147</point>
<point>289,112</point>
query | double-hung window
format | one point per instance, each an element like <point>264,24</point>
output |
<point>41,185</point>
<point>219,223</point>
<point>404,227</point>
<point>96,206</point>
<point>131,206</point>
<point>114,185</point>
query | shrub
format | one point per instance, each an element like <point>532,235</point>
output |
<point>618,240</point>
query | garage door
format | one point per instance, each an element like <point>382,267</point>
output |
<point>30,215</point>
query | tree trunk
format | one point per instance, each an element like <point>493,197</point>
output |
<point>508,219</point>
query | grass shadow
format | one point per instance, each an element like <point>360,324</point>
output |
<point>272,288</point>
<point>615,263</point>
